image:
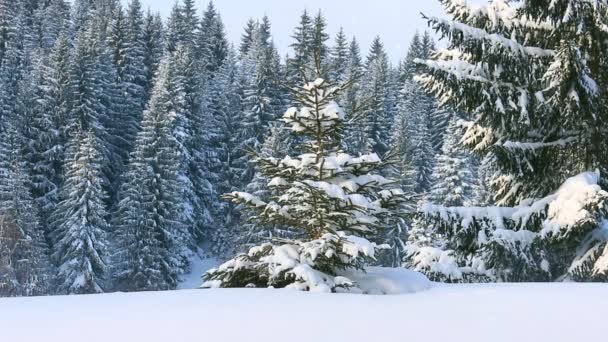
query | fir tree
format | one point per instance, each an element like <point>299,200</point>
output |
<point>153,33</point>
<point>80,245</point>
<point>152,236</point>
<point>24,263</point>
<point>303,37</point>
<point>537,96</point>
<point>52,100</point>
<point>453,181</point>
<point>327,196</point>
<point>212,43</point>
<point>378,115</point>
<point>339,57</point>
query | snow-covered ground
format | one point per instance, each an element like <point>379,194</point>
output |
<point>484,313</point>
<point>199,264</point>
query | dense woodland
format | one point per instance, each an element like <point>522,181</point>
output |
<point>129,142</point>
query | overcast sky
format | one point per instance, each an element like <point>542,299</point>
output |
<point>394,20</point>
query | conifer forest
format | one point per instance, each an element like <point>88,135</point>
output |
<point>132,143</point>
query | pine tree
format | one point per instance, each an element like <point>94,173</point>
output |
<point>153,33</point>
<point>222,156</point>
<point>189,132</point>
<point>94,98</point>
<point>47,132</point>
<point>351,99</point>
<point>247,36</point>
<point>52,20</point>
<point>538,96</point>
<point>339,57</point>
<point>378,115</point>
<point>24,263</point>
<point>182,26</point>
<point>80,245</point>
<point>127,43</point>
<point>453,182</point>
<point>302,47</point>
<point>212,43</point>
<point>262,95</point>
<point>327,196</point>
<point>152,235</point>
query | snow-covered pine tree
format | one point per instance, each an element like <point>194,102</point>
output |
<point>212,47</point>
<point>182,26</point>
<point>412,132</point>
<point>126,42</point>
<point>333,199</point>
<point>51,21</point>
<point>52,99</point>
<point>453,178</point>
<point>378,114</point>
<point>79,238</point>
<point>247,37</point>
<point>153,49</point>
<point>262,96</point>
<point>303,37</point>
<point>152,237</point>
<point>189,132</point>
<point>94,99</point>
<point>25,268</point>
<point>537,91</point>
<point>351,98</point>
<point>222,156</point>
<point>339,58</point>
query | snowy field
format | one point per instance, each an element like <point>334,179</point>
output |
<point>472,313</point>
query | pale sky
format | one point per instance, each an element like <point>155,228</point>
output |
<point>394,20</point>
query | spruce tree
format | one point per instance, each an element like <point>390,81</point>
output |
<point>537,95</point>
<point>80,234</point>
<point>378,115</point>
<point>224,117</point>
<point>339,57</point>
<point>152,235</point>
<point>302,46</point>
<point>24,261</point>
<point>52,101</point>
<point>453,182</point>
<point>332,199</point>
<point>212,43</point>
<point>153,34</point>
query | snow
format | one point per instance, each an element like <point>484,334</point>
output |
<point>562,312</point>
<point>568,208</point>
<point>198,265</point>
<point>389,281</point>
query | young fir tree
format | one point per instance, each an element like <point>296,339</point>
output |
<point>79,239</point>
<point>152,238</point>
<point>332,199</point>
<point>537,94</point>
